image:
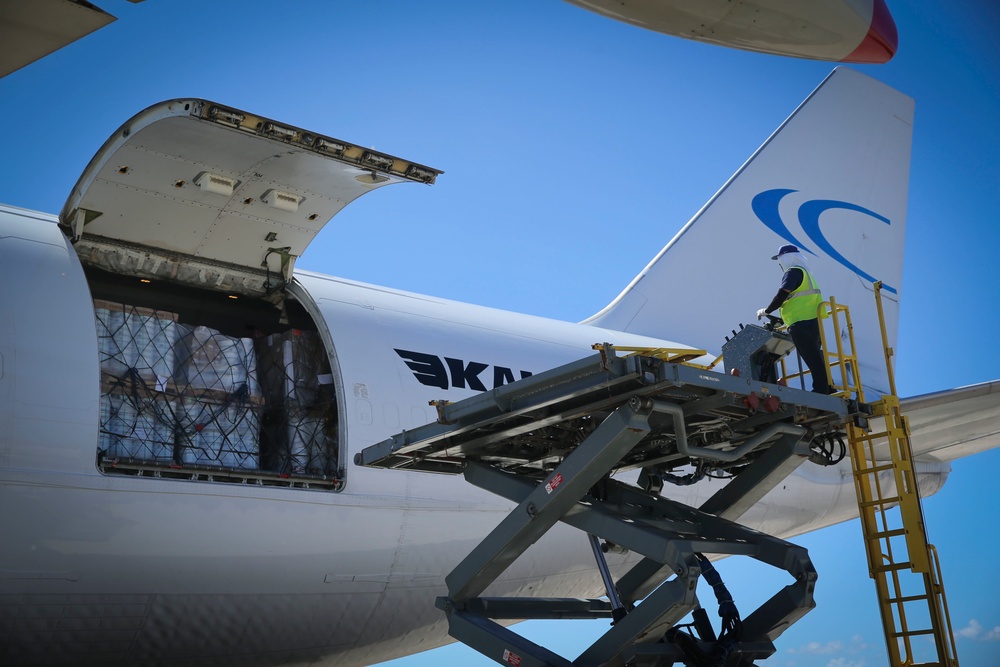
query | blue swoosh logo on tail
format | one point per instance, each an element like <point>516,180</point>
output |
<point>765,207</point>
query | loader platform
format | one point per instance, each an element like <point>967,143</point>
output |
<point>552,442</point>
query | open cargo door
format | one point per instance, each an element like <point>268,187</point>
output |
<point>193,192</point>
<point>188,208</point>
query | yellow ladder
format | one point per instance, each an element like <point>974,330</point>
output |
<point>903,564</point>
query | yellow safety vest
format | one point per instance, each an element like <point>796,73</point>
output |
<point>803,302</point>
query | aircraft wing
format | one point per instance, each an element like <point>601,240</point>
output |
<point>948,425</point>
<point>33,30</point>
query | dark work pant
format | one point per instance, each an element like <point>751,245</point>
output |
<point>805,335</point>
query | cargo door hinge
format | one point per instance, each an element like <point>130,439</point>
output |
<point>79,218</point>
<point>284,275</point>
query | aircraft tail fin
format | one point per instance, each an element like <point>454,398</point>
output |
<point>831,180</point>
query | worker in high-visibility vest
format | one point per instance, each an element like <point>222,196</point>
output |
<point>799,299</point>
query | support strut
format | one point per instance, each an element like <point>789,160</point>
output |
<point>618,610</point>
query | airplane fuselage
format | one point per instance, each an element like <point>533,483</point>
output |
<point>130,568</point>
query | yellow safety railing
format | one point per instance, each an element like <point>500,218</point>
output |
<point>674,355</point>
<point>843,359</point>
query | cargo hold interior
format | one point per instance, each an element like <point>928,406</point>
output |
<point>204,385</point>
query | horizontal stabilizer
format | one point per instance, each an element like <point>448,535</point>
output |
<point>948,425</point>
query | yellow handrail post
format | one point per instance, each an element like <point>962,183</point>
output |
<point>888,351</point>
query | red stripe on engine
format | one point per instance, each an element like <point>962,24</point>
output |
<point>879,45</point>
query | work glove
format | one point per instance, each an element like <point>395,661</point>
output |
<point>761,313</point>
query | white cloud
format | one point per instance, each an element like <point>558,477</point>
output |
<point>846,662</point>
<point>975,630</point>
<point>856,645</point>
<point>971,631</point>
<point>815,648</point>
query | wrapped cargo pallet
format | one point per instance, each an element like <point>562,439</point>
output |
<point>300,425</point>
<point>182,396</point>
<point>207,359</point>
<point>223,434</point>
<point>307,442</point>
<point>137,358</point>
<point>137,428</point>
<point>136,340</point>
<point>217,380</point>
<point>293,368</point>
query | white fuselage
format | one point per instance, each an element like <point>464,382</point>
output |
<point>137,569</point>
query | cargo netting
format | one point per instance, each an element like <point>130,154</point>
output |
<point>190,397</point>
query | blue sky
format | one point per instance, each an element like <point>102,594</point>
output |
<point>562,135</point>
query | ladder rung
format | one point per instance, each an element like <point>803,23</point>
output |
<point>912,633</point>
<point>882,501</point>
<point>872,436</point>
<point>909,598</point>
<point>888,533</point>
<point>873,469</point>
<point>893,567</point>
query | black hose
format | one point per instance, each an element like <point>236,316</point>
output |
<point>732,626</point>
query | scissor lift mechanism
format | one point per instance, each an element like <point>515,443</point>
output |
<point>550,443</point>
